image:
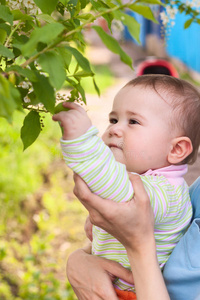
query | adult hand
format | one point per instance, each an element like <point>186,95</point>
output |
<point>132,223</point>
<point>90,276</point>
<point>88,229</point>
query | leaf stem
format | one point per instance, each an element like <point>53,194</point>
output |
<point>11,34</point>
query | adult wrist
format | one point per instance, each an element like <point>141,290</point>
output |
<point>142,250</point>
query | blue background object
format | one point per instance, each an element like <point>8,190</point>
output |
<point>185,43</point>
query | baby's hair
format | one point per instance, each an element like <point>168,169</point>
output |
<point>185,102</point>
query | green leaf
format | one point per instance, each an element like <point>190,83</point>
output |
<point>131,23</point>
<point>7,101</point>
<point>6,27</point>
<point>30,129</point>
<point>65,55</point>
<point>99,5</point>
<point>83,3</point>
<point>6,52</point>
<point>153,2</point>
<point>74,2</point>
<point>18,15</point>
<point>83,62</point>
<point>113,45</point>
<point>143,10</point>
<point>24,72</point>
<point>78,88</point>
<point>45,7</point>
<point>5,14</point>
<point>45,34</point>
<point>81,91</point>
<point>44,92</point>
<point>15,94</point>
<point>188,23</point>
<point>3,35</point>
<point>53,64</point>
<point>46,18</point>
<point>83,74</point>
<point>109,18</point>
<point>96,86</point>
<point>64,2</point>
<point>19,41</point>
<point>85,16</point>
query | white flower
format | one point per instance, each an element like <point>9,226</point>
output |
<point>27,99</point>
<point>21,4</point>
<point>171,11</point>
<point>193,3</point>
<point>168,15</point>
<point>33,11</point>
<point>164,18</point>
<point>16,4</point>
<point>29,4</point>
<point>24,85</point>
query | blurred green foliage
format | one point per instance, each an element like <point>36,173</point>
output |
<point>40,220</point>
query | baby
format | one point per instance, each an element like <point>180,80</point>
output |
<point>154,131</point>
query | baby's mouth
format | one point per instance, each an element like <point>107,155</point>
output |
<point>115,146</point>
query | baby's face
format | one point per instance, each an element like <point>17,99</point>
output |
<point>139,134</point>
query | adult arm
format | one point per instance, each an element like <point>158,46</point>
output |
<point>126,222</point>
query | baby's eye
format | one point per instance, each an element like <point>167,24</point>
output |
<point>113,121</point>
<point>132,121</point>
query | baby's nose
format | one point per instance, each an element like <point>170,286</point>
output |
<point>116,129</point>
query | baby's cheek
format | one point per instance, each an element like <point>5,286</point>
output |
<point>104,137</point>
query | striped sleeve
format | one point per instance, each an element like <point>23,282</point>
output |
<point>89,157</point>
<point>168,202</point>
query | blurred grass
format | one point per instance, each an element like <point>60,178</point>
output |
<point>41,222</point>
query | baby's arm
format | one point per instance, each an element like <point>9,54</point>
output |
<point>88,156</point>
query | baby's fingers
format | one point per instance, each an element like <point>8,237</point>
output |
<point>72,105</point>
<point>59,117</point>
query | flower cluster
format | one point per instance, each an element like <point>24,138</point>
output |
<point>168,16</point>
<point>24,5</point>
<point>193,4</point>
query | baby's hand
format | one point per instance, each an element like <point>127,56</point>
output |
<point>75,122</point>
<point>88,229</point>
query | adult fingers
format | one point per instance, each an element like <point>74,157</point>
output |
<point>138,187</point>
<point>142,200</point>
<point>83,193</point>
<point>118,270</point>
<point>99,209</point>
<point>81,190</point>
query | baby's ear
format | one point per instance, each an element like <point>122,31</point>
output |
<point>181,148</point>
